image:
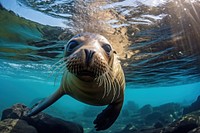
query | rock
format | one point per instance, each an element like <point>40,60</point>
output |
<point>131,106</point>
<point>130,109</point>
<point>150,130</point>
<point>146,109</point>
<point>193,107</point>
<point>47,124</point>
<point>158,125</point>
<point>15,112</point>
<point>184,124</point>
<point>125,113</point>
<point>189,123</point>
<point>170,111</point>
<point>16,126</point>
<point>130,128</point>
<point>196,130</point>
<point>168,108</point>
<point>165,113</point>
<point>42,122</point>
<point>153,117</point>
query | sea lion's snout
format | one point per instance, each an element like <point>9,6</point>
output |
<point>86,64</point>
<point>88,56</point>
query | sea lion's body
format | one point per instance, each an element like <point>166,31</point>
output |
<point>89,92</point>
<point>93,76</point>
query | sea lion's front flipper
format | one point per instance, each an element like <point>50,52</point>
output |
<point>45,103</point>
<point>108,116</point>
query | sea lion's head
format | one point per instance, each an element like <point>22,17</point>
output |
<point>88,56</point>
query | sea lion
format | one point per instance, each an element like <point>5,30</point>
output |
<point>93,75</point>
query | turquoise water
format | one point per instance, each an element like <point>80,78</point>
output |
<point>163,67</point>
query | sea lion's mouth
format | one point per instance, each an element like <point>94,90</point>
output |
<point>84,70</point>
<point>86,73</point>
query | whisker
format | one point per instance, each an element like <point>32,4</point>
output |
<point>97,79</point>
<point>62,59</point>
<point>109,84</point>
<point>104,91</point>
<point>111,79</point>
<point>66,71</point>
<point>100,81</point>
<point>113,84</point>
<point>62,69</point>
<point>114,94</point>
<point>57,68</point>
<point>105,82</point>
<point>52,69</point>
<point>117,87</point>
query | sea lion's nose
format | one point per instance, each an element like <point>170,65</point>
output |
<point>88,56</point>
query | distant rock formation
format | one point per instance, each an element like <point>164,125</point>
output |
<point>166,119</point>
<point>193,107</point>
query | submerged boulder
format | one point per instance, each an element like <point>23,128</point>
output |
<point>16,126</point>
<point>131,106</point>
<point>165,118</point>
<point>146,109</point>
<point>129,128</point>
<point>193,107</point>
<point>196,130</point>
<point>15,112</point>
<point>189,123</point>
<point>158,125</point>
<point>185,124</point>
<point>153,117</point>
<point>168,108</point>
<point>42,122</point>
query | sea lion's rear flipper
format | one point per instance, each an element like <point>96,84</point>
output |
<point>108,116</point>
<point>45,103</point>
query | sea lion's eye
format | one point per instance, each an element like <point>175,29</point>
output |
<point>107,48</point>
<point>71,45</point>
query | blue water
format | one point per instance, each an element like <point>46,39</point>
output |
<point>165,66</point>
<point>24,91</point>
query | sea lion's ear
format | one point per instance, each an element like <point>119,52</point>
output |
<point>115,52</point>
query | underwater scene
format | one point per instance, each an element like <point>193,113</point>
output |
<point>105,66</point>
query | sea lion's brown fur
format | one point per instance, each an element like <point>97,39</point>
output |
<point>93,75</point>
